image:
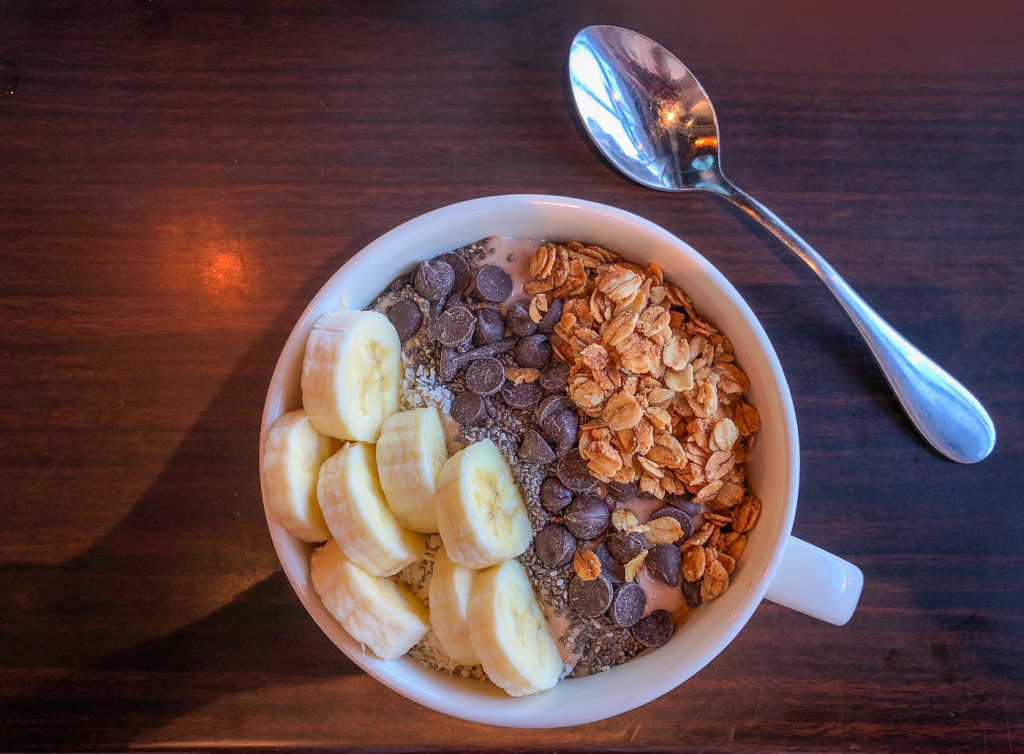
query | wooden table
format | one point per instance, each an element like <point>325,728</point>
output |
<point>176,181</point>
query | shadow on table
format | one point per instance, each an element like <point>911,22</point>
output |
<point>101,680</point>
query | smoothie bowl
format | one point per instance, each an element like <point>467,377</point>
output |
<point>531,461</point>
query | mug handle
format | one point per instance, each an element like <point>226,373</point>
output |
<point>816,583</point>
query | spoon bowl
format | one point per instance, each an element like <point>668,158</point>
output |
<point>645,111</point>
<point>654,122</point>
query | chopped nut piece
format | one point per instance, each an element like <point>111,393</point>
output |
<point>586,394</point>
<point>747,420</point>
<point>663,531</point>
<point>731,494</point>
<point>538,308</point>
<point>734,544</point>
<point>543,261</point>
<point>596,357</point>
<point>632,568</point>
<point>728,561</point>
<point>651,485</point>
<point>586,564</point>
<point>716,580</point>
<point>701,535</point>
<point>534,287</point>
<point>717,519</point>
<point>624,519</point>
<point>519,375</point>
<point>745,517</point>
<point>693,563</point>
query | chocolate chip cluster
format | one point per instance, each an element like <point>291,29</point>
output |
<point>584,523</point>
<point>503,353</point>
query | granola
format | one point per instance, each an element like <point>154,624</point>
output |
<point>663,397</point>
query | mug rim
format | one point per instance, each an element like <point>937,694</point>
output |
<point>450,214</point>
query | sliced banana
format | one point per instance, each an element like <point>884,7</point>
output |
<point>410,454</point>
<point>380,613</point>
<point>480,513</point>
<point>292,456</point>
<point>450,587</point>
<point>509,633</point>
<point>351,374</point>
<point>358,516</point>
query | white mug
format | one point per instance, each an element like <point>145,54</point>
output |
<point>775,565</point>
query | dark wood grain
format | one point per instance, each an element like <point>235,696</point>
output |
<point>177,180</point>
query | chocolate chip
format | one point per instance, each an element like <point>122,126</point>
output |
<point>625,545</point>
<point>468,408</point>
<point>451,362</point>
<point>555,376</point>
<point>551,317</point>
<point>463,276</point>
<point>551,406</point>
<point>406,316</point>
<point>663,563</point>
<point>533,351</point>
<point>691,591</point>
<point>455,327</point>
<point>534,450</point>
<point>493,284</point>
<point>655,629</point>
<point>492,349</point>
<point>573,471</point>
<point>435,311</point>
<point>590,598</point>
<point>685,505</point>
<point>554,545</point>
<point>610,567</point>
<point>628,605</point>
<point>523,395</point>
<point>563,428</point>
<point>519,323</point>
<point>400,282</point>
<point>587,517</point>
<point>685,522</point>
<point>455,302</point>
<point>434,279</point>
<point>554,495</point>
<point>490,326</point>
<point>485,376</point>
<point>622,491</point>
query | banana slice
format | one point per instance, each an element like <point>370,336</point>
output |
<point>351,374</point>
<point>509,633</point>
<point>410,454</point>
<point>358,517</point>
<point>450,586</point>
<point>379,613</point>
<point>292,457</point>
<point>480,512</point>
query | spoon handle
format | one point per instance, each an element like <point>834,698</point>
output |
<point>942,409</point>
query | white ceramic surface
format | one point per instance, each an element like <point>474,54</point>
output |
<point>812,581</point>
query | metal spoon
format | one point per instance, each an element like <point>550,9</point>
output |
<point>653,121</point>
